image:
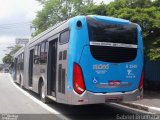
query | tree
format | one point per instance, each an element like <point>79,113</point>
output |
<point>55,11</point>
<point>8,59</point>
<point>144,12</point>
<point>41,1</point>
<point>15,49</point>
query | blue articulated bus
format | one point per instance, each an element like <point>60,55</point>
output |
<point>84,60</point>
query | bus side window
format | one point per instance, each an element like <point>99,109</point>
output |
<point>17,62</point>
<point>42,53</point>
<point>22,62</point>
<point>36,57</point>
<point>64,37</point>
<point>35,51</point>
<point>46,51</point>
<point>35,54</point>
<point>39,47</point>
<point>22,57</point>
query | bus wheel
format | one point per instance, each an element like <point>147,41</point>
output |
<point>20,83</point>
<point>42,92</point>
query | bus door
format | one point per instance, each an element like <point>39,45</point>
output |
<point>62,65</point>
<point>52,61</point>
<point>31,68</point>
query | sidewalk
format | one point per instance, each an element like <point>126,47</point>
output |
<point>150,102</point>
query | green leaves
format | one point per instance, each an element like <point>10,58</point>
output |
<point>154,54</point>
<point>14,49</point>
<point>8,58</point>
<point>144,12</point>
<point>55,11</point>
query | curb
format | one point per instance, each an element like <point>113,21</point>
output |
<point>154,110</point>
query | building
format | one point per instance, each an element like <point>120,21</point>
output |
<point>21,41</point>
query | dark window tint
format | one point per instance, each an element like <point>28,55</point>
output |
<point>22,57</point>
<point>64,37</point>
<point>63,80</point>
<point>65,55</point>
<point>39,47</point>
<point>37,54</point>
<point>59,78</point>
<point>112,33</point>
<point>109,32</point>
<point>42,60</point>
<point>20,61</point>
<point>42,48</point>
<point>35,51</point>
<point>60,55</point>
<point>43,52</point>
<point>46,47</point>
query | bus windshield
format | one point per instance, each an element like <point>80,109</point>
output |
<point>109,32</point>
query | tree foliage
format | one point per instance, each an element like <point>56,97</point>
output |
<point>55,11</point>
<point>8,58</point>
<point>144,12</point>
<point>15,49</point>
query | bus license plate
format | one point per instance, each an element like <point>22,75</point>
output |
<point>113,99</point>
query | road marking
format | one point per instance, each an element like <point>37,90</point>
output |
<point>34,99</point>
<point>43,105</point>
<point>150,108</point>
<point>127,108</point>
<point>154,110</point>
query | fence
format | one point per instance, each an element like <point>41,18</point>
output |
<point>152,74</point>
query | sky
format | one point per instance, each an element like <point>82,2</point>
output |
<point>15,21</point>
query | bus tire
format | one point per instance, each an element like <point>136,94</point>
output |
<point>43,98</point>
<point>20,81</point>
<point>42,92</point>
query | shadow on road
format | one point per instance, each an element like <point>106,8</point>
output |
<point>84,112</point>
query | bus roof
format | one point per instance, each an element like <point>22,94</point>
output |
<point>106,18</point>
<point>19,51</point>
<point>47,31</point>
<point>110,19</point>
<point>97,17</point>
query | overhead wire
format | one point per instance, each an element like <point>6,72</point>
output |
<point>15,25</point>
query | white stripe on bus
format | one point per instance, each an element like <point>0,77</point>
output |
<point>110,44</point>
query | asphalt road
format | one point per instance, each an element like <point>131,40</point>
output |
<point>13,101</point>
